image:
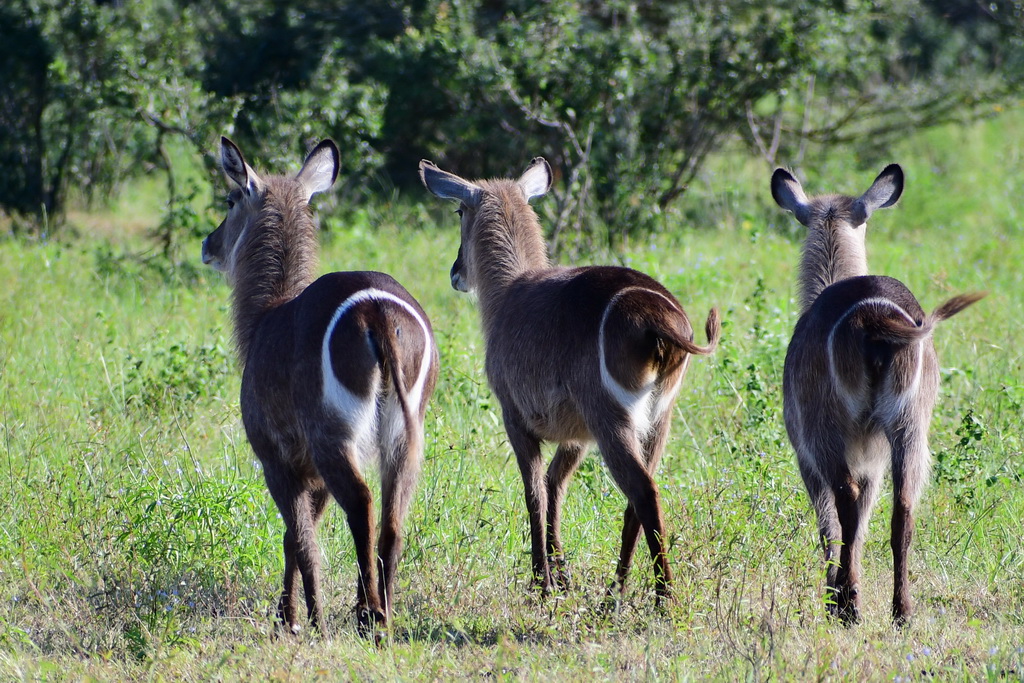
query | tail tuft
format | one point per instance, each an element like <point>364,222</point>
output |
<point>713,330</point>
<point>898,332</point>
<point>957,304</point>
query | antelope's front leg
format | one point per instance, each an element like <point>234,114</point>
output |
<point>301,555</point>
<point>566,461</point>
<point>527,450</point>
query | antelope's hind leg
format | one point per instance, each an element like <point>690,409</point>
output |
<point>567,459</point>
<point>622,453</point>
<point>830,535</point>
<point>338,466</point>
<point>653,448</point>
<point>910,462</point>
<point>399,472</point>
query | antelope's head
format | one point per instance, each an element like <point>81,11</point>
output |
<point>223,247</point>
<point>834,248</point>
<point>836,212</point>
<point>534,182</point>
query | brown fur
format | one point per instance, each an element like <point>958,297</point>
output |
<point>543,326</point>
<point>860,381</point>
<point>319,357</point>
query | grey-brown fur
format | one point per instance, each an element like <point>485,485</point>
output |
<point>860,381</point>
<point>337,372</point>
<point>542,327</point>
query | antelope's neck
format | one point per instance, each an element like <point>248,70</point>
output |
<point>275,268</point>
<point>503,258</point>
<point>829,258</point>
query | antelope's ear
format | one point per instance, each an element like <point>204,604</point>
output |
<point>448,185</point>
<point>536,179</point>
<point>320,169</point>
<point>235,168</point>
<point>789,194</point>
<point>883,193</point>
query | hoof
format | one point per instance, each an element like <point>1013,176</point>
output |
<point>844,605</point>
<point>614,599</point>
<point>559,572</point>
<point>542,584</point>
<point>283,629</point>
<point>850,615</point>
<point>901,617</point>
<point>371,623</point>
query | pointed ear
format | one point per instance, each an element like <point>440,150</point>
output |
<point>789,194</point>
<point>536,179</point>
<point>233,163</point>
<point>448,185</point>
<point>883,193</point>
<point>320,169</point>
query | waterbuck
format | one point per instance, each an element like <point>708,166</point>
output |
<point>336,373</point>
<point>574,356</point>
<point>860,380</point>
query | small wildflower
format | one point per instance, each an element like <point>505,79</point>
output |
<point>926,651</point>
<point>910,656</point>
<point>992,651</point>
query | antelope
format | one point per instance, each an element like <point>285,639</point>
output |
<point>860,380</point>
<point>336,374</point>
<point>574,356</point>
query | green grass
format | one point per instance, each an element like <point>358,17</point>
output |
<point>138,540</point>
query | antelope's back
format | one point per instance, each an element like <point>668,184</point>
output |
<point>549,319</point>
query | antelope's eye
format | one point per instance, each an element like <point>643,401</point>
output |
<point>459,211</point>
<point>231,203</point>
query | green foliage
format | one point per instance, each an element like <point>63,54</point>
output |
<point>67,131</point>
<point>24,55</point>
<point>627,98</point>
<point>961,466</point>
<point>172,379</point>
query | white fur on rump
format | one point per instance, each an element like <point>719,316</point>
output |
<point>361,411</point>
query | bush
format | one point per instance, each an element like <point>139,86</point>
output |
<point>625,98</point>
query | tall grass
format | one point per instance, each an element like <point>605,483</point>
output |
<point>138,539</point>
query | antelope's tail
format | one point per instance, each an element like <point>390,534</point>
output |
<point>387,347</point>
<point>901,332</point>
<point>712,329</point>
<point>956,304</point>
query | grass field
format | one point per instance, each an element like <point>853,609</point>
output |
<point>138,541</point>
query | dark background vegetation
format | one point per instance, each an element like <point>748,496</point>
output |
<point>625,98</point>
